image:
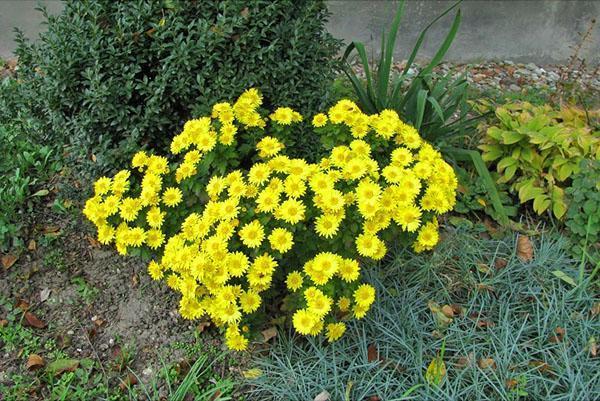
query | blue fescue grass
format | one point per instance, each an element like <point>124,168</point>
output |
<point>518,307</point>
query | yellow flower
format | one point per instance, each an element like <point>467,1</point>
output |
<point>294,281</point>
<point>319,120</point>
<point>259,173</point>
<point>269,146</point>
<point>344,304</point>
<point>349,270</point>
<point>364,295</point>
<point>367,244</point>
<point>327,225</point>
<point>291,211</point>
<point>102,185</point>
<point>237,263</point>
<point>129,209</point>
<point>172,196</point>
<point>252,234</point>
<point>154,238</point>
<point>249,301</point>
<point>281,240</point>
<point>139,160</point>
<point>335,331</point>
<point>155,270</point>
<point>304,321</point>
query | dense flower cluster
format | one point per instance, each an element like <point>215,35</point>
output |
<point>282,222</point>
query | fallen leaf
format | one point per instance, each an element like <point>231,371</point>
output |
<point>485,363</point>
<point>245,11</point>
<point>441,320</point>
<point>35,362</point>
<point>269,333</point>
<point>8,260</point>
<point>252,373</point>
<point>202,326</point>
<point>134,280</point>
<point>558,336</point>
<point>373,354</point>
<point>322,396</point>
<point>94,243</point>
<point>500,263</point>
<point>564,277</point>
<point>22,304</point>
<point>511,384</point>
<point>483,268</point>
<point>129,381</point>
<point>524,248</point>
<point>3,322</point>
<point>33,321</point>
<point>216,396</point>
<point>436,371</point>
<point>32,246</point>
<point>448,311</point>
<point>465,361</point>
<point>44,294</point>
<point>593,347</point>
<point>374,398</point>
<point>41,192</point>
<point>60,366</point>
<point>542,367</point>
<point>50,229</point>
<point>595,311</point>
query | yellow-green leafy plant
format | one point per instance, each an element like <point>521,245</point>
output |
<point>284,228</point>
<point>536,149</point>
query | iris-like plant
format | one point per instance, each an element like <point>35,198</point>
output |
<point>436,106</point>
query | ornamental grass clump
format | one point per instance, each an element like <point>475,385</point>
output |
<point>282,228</point>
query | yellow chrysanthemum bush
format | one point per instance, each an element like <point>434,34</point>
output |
<point>280,228</point>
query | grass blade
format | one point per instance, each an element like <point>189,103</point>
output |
<point>385,63</point>
<point>421,99</point>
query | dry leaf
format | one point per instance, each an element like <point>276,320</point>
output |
<point>448,311</point>
<point>593,347</point>
<point>22,304</point>
<point>129,381</point>
<point>34,362</point>
<point>3,322</point>
<point>558,336</point>
<point>8,260</point>
<point>524,248</point>
<point>373,354</point>
<point>483,268</point>
<point>202,326</point>
<point>269,333</point>
<point>134,280</point>
<point>485,363</point>
<point>500,263</point>
<point>511,383</point>
<point>595,311</point>
<point>542,367</point>
<point>441,319</point>
<point>322,396</point>
<point>465,361</point>
<point>32,245</point>
<point>33,321</point>
<point>436,371</point>
<point>245,11</point>
<point>50,229</point>
<point>44,294</point>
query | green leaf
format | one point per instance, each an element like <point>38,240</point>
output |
<point>511,137</point>
<point>490,185</point>
<point>421,98</point>
<point>541,203</point>
<point>60,366</point>
<point>506,162</point>
<point>385,63</point>
<point>564,277</point>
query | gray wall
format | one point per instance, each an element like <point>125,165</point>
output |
<point>541,31</point>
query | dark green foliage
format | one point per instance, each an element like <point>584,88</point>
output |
<point>111,76</point>
<point>25,165</point>
<point>473,195</point>
<point>509,313</point>
<point>583,215</point>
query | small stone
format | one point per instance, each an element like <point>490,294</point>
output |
<point>111,342</point>
<point>70,332</point>
<point>514,88</point>
<point>103,347</point>
<point>147,371</point>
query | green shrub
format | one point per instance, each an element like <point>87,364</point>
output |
<point>25,165</point>
<point>113,75</point>
<point>537,149</point>
<point>583,216</point>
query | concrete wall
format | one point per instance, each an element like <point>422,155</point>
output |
<point>540,31</point>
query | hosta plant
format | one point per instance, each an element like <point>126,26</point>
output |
<point>281,229</point>
<point>536,149</point>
